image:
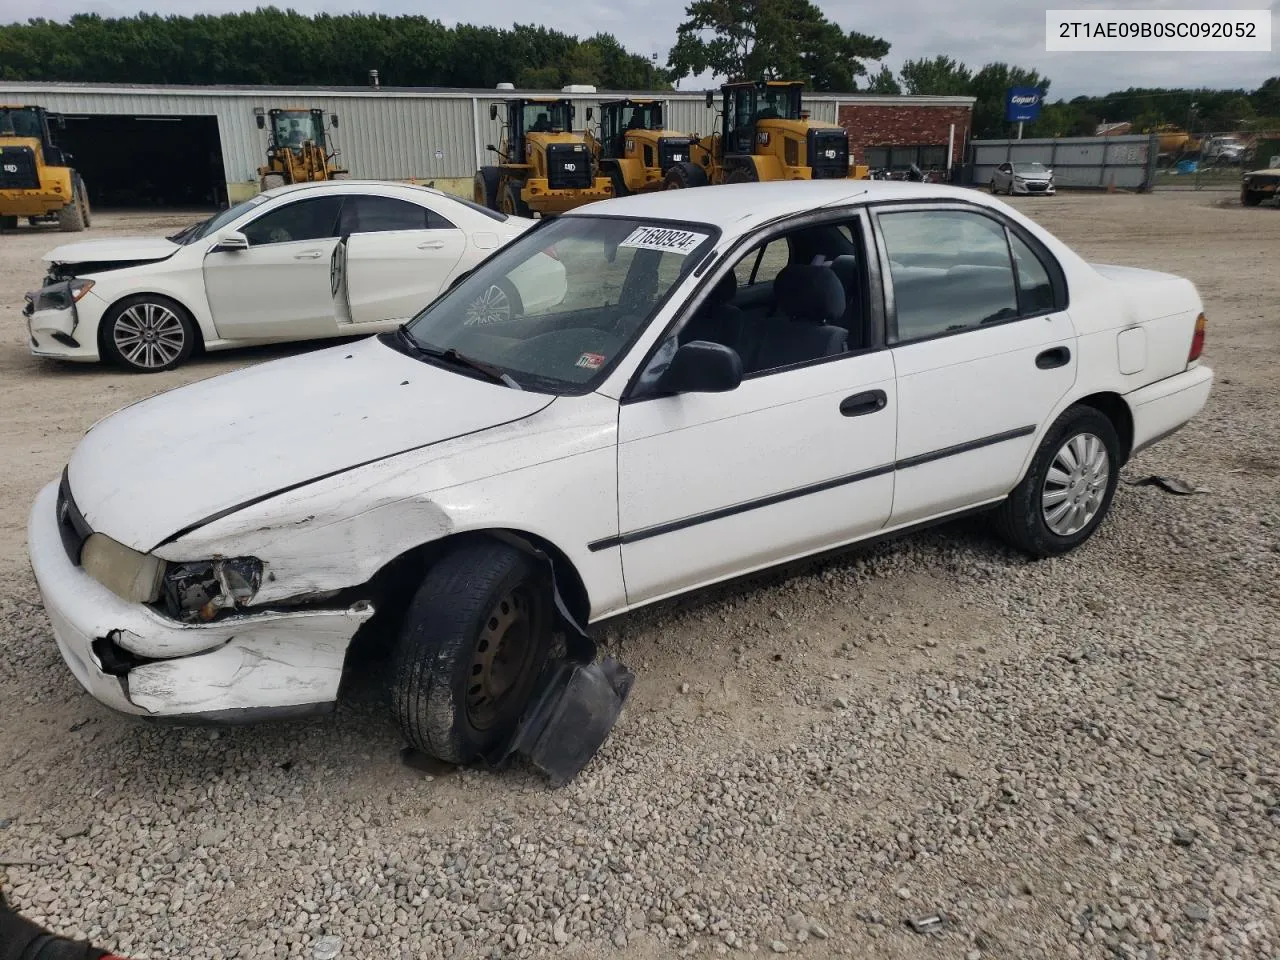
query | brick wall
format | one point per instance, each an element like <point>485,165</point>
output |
<point>878,125</point>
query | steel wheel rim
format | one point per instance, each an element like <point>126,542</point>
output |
<point>149,335</point>
<point>503,655</point>
<point>492,306</point>
<point>1075,484</point>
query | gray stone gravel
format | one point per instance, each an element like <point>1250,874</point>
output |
<point>1073,758</point>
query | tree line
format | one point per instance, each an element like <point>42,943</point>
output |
<point>737,39</point>
<point>284,48</point>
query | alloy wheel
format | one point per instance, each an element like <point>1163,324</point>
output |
<point>149,335</point>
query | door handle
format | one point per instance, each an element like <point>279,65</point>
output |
<point>1055,357</point>
<point>861,404</point>
<point>431,245</point>
<point>309,255</point>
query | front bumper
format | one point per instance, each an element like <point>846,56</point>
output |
<point>1167,405</point>
<point>1034,188</point>
<point>65,333</point>
<point>241,668</point>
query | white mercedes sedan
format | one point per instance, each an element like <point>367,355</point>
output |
<point>295,263</point>
<point>734,378</point>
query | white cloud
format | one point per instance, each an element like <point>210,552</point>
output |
<point>991,30</point>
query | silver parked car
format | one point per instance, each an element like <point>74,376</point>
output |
<point>1014,178</point>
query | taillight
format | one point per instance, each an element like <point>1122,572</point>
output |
<point>1197,340</point>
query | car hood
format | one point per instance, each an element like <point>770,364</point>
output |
<point>169,463</point>
<point>112,250</point>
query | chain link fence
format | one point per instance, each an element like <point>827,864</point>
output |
<point>1214,160</point>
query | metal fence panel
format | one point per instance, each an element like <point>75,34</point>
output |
<point>1127,163</point>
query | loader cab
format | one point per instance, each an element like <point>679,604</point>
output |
<point>526,117</point>
<point>32,123</point>
<point>745,104</point>
<point>622,118</point>
<point>293,129</point>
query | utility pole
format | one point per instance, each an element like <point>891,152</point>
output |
<point>1019,129</point>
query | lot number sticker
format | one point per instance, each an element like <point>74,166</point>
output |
<point>663,238</point>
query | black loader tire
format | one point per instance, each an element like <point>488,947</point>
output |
<point>484,189</point>
<point>681,176</point>
<point>444,637</point>
<point>1020,519</point>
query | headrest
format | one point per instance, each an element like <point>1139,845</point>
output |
<point>809,293</point>
<point>725,290</point>
<point>845,267</point>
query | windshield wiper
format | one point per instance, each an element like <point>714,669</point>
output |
<point>452,356</point>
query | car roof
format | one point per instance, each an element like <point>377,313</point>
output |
<point>364,186</point>
<point>736,207</point>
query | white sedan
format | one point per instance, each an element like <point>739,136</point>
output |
<point>1026,178</point>
<point>736,377</point>
<point>295,263</point>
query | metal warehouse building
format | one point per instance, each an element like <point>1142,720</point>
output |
<point>196,146</point>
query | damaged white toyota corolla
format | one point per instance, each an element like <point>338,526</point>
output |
<point>735,376</point>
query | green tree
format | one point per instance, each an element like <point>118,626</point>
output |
<point>771,39</point>
<point>937,76</point>
<point>884,82</point>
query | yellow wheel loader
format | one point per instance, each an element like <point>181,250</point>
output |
<point>37,180</point>
<point>545,167</point>
<point>765,134</point>
<point>297,148</point>
<point>633,148</point>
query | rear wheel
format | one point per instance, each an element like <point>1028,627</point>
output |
<point>1250,198</point>
<point>71,218</point>
<point>512,204</point>
<point>683,175</point>
<point>992,186</point>
<point>8,223</point>
<point>742,174</point>
<point>341,175</point>
<point>484,187</point>
<point>270,182</point>
<point>1068,488</point>
<point>474,641</point>
<point>619,182</point>
<point>83,193</point>
<point>147,333</point>
<point>499,303</point>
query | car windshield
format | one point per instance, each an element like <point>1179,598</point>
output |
<point>642,116</point>
<point>20,123</point>
<point>555,309</point>
<point>216,222</point>
<point>1031,168</point>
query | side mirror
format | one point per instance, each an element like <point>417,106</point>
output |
<point>711,98</point>
<point>262,121</point>
<point>493,111</point>
<point>333,119</point>
<point>702,367</point>
<point>491,148</point>
<point>590,112</point>
<point>62,122</point>
<point>231,243</point>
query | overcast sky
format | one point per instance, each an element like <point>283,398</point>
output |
<point>1008,30</point>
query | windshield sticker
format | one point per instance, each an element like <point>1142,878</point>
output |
<point>664,238</point>
<point>591,361</point>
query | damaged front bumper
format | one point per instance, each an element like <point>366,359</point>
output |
<point>56,325</point>
<point>240,668</point>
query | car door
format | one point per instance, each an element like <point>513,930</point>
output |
<point>795,459</point>
<point>983,349</point>
<point>398,256</point>
<point>280,287</point>
<point>1003,176</point>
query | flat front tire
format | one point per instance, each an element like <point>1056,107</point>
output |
<point>475,638</point>
<point>1067,490</point>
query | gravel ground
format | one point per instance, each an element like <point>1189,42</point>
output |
<point>1072,758</point>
